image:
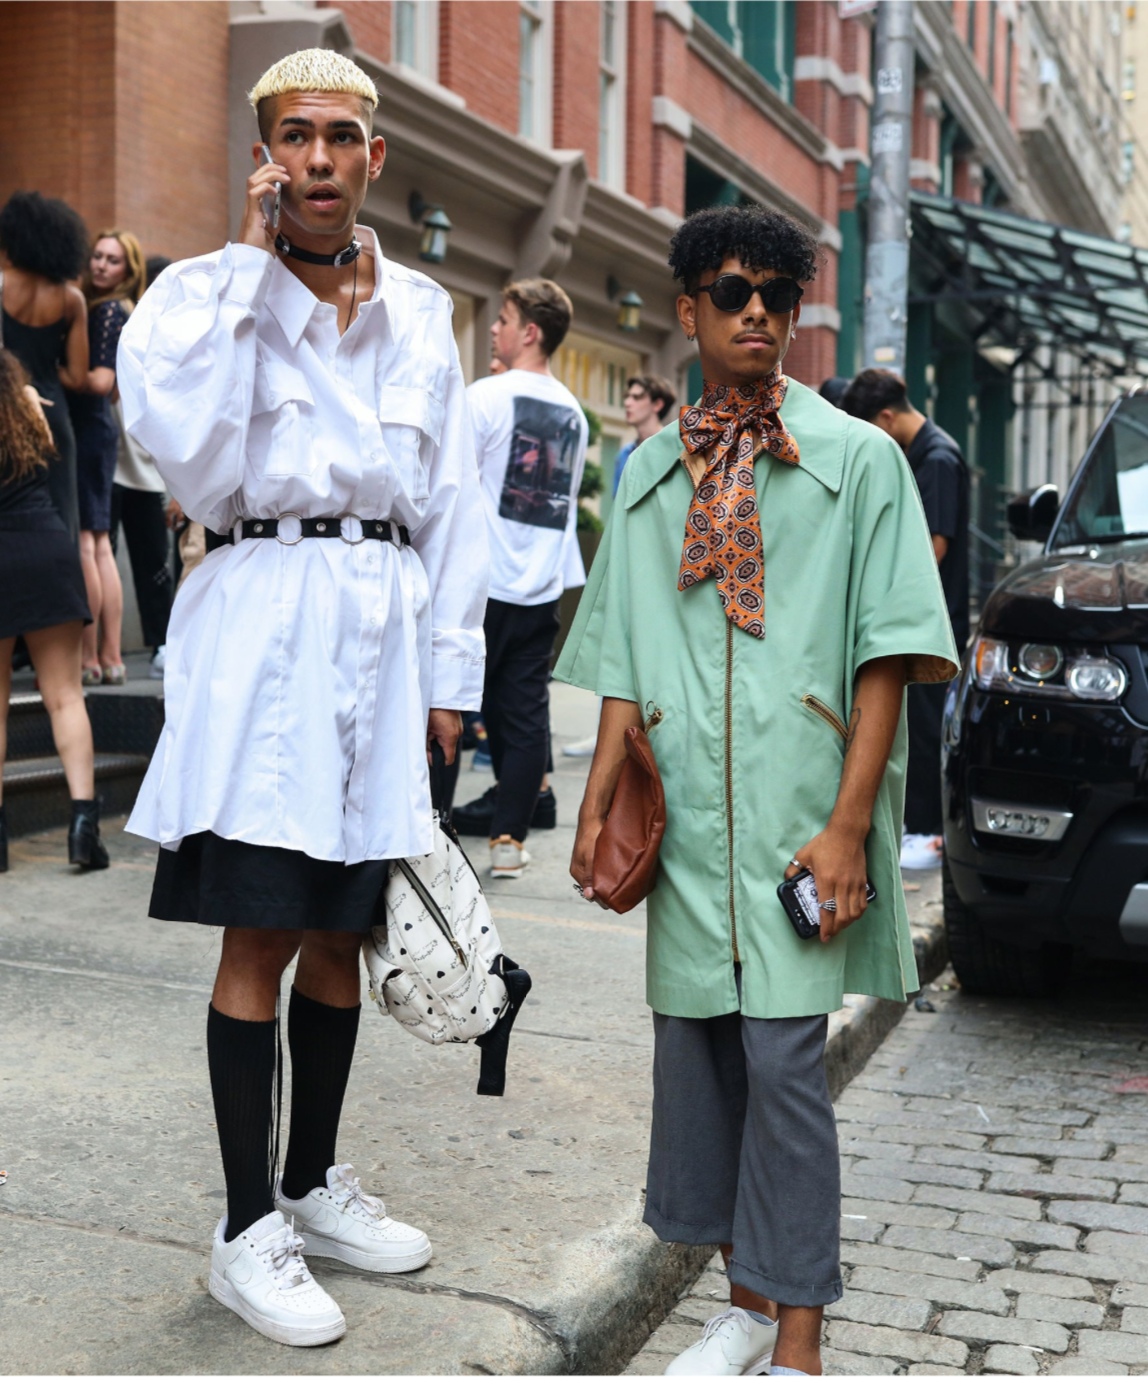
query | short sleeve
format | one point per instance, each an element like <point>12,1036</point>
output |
<point>939,482</point>
<point>597,654</point>
<point>896,600</point>
<point>108,321</point>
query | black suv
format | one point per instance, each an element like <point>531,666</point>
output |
<point>1045,743</point>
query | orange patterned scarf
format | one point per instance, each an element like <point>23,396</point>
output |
<point>723,528</point>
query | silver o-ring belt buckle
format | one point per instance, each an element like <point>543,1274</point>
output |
<point>343,516</point>
<point>279,525</point>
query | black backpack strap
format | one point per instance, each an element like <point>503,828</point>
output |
<point>495,1045</point>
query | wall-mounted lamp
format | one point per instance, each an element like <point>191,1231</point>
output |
<point>629,304</point>
<point>436,228</point>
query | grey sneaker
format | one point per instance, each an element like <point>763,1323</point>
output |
<point>508,859</point>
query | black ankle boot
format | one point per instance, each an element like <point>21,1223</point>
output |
<point>84,846</point>
<point>3,840</point>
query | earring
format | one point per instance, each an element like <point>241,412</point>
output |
<point>690,338</point>
<point>793,333</point>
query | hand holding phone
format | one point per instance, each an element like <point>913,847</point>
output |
<point>799,899</point>
<point>272,201</point>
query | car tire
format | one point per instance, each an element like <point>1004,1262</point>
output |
<point>986,966</point>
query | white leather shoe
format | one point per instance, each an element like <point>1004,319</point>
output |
<point>341,1221</point>
<point>732,1342</point>
<point>920,852</point>
<point>261,1276</point>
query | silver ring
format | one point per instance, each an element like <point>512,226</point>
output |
<point>830,904</point>
<point>797,863</point>
<point>297,538</point>
<point>341,517</point>
<point>579,889</point>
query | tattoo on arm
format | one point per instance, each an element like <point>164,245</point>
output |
<point>854,724</point>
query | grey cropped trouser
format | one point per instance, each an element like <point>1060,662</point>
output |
<point>743,1150</point>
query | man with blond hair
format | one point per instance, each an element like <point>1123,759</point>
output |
<point>302,397</point>
<point>530,439</point>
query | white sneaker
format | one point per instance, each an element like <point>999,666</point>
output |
<point>921,852</point>
<point>732,1342</point>
<point>585,747</point>
<point>508,859</point>
<point>341,1221</point>
<point>261,1276</point>
<point>158,661</point>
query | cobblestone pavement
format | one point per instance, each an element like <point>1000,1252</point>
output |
<point>995,1176</point>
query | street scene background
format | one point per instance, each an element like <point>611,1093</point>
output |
<point>995,1152</point>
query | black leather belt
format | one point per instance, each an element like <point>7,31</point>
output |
<point>267,528</point>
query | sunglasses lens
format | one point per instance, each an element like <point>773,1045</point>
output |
<point>781,294</point>
<point>731,293</point>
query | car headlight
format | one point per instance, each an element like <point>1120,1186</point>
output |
<point>1042,670</point>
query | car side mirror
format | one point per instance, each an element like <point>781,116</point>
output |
<point>1031,514</point>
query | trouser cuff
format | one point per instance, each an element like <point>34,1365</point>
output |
<point>784,1293</point>
<point>675,1232</point>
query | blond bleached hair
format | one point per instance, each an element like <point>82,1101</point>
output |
<point>314,69</point>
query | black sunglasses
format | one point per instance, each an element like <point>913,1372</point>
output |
<point>732,292</point>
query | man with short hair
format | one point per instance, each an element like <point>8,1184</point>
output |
<point>302,397</point>
<point>530,438</point>
<point>763,591</point>
<point>881,397</point>
<point>648,402</point>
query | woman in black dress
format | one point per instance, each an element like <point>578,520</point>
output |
<point>42,599</point>
<point>44,321</point>
<point>114,282</point>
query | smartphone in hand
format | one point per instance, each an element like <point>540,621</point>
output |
<point>273,201</point>
<point>799,899</point>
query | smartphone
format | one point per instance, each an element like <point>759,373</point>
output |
<point>272,201</point>
<point>799,899</point>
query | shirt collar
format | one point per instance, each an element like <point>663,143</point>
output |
<point>819,428</point>
<point>293,304</point>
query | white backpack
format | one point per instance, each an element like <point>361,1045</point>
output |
<point>438,966</point>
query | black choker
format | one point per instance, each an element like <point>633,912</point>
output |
<point>339,260</point>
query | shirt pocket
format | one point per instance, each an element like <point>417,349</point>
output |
<point>411,421</point>
<point>281,437</point>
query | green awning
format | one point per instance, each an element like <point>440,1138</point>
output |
<point>1025,283</point>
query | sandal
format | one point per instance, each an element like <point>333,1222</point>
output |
<point>115,674</point>
<point>91,677</point>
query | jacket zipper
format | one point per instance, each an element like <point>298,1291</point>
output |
<point>431,907</point>
<point>729,777</point>
<point>826,713</point>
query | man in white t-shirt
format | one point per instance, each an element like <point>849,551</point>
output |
<point>530,438</point>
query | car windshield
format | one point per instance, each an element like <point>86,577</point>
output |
<point>1111,502</point>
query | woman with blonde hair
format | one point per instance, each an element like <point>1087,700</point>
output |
<point>43,601</point>
<point>113,283</point>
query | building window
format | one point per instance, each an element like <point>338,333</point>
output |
<point>992,65</point>
<point>764,34</point>
<point>971,23</point>
<point>611,94</point>
<point>1009,47</point>
<point>1127,160</point>
<point>1128,90</point>
<point>534,71</point>
<point>416,36</point>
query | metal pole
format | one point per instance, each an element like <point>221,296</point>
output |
<point>890,146</point>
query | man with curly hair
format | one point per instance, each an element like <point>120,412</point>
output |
<point>765,590</point>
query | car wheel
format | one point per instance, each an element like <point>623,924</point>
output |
<point>986,966</point>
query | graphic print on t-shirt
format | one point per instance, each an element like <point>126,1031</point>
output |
<point>540,465</point>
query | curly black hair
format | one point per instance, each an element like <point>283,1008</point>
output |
<point>760,238</point>
<point>42,235</point>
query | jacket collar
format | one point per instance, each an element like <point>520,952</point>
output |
<point>293,304</point>
<point>819,428</point>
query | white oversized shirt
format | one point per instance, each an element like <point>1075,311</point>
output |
<point>299,677</point>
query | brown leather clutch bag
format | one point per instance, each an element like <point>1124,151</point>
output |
<point>626,853</point>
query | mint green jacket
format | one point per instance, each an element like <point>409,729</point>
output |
<point>751,742</point>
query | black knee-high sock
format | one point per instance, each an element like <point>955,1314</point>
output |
<point>242,1061</point>
<point>322,1043</point>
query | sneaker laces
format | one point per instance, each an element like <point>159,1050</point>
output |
<point>351,1197</point>
<point>718,1322</point>
<point>283,1252</point>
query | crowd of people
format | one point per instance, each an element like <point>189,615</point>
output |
<point>770,581</point>
<point>69,477</point>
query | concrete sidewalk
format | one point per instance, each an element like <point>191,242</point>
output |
<point>533,1202</point>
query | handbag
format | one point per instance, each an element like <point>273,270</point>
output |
<point>626,853</point>
<point>437,965</point>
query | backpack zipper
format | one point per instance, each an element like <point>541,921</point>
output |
<point>826,713</point>
<point>431,907</point>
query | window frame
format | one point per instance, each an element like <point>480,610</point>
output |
<point>539,14</point>
<point>612,93</point>
<point>424,35</point>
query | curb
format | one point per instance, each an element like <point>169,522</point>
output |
<point>635,1281</point>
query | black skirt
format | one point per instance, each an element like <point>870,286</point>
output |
<point>228,884</point>
<point>41,581</point>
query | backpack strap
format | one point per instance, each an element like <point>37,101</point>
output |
<point>495,1045</point>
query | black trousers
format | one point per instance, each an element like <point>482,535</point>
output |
<point>516,707</point>
<point>923,776</point>
<point>149,549</point>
